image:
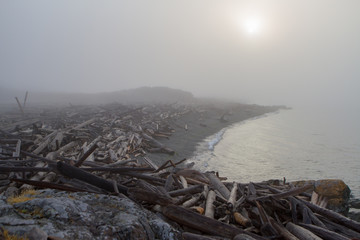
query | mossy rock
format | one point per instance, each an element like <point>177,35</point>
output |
<point>335,191</point>
<point>332,188</point>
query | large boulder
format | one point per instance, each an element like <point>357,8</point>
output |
<point>335,191</point>
<point>81,216</point>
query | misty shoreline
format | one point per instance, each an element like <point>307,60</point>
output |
<point>194,127</point>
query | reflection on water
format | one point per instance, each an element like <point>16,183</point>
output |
<point>293,144</point>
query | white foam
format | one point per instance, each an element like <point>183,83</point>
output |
<point>215,139</point>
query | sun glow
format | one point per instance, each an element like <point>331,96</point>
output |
<point>252,25</point>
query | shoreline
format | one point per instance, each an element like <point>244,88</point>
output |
<point>196,126</point>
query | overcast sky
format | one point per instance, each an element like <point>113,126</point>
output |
<point>269,52</point>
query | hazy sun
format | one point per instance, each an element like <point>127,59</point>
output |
<point>252,25</point>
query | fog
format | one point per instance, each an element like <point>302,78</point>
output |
<point>295,52</point>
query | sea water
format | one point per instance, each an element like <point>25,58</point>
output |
<point>297,144</point>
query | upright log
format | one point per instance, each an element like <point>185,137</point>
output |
<point>209,210</point>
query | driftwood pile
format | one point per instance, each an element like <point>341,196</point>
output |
<point>103,150</point>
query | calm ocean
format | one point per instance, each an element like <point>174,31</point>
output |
<point>295,144</point>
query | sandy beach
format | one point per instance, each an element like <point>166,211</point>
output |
<point>206,120</point>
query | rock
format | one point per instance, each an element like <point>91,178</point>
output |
<point>335,191</point>
<point>36,234</point>
<point>83,216</point>
<point>11,192</point>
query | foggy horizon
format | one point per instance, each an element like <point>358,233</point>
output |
<point>265,52</point>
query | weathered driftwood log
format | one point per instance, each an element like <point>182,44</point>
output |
<point>193,236</point>
<point>233,193</point>
<point>169,183</point>
<point>149,196</point>
<point>74,172</point>
<point>183,182</point>
<point>307,212</point>
<point>335,217</point>
<point>339,228</point>
<point>189,190</point>
<point>193,174</point>
<point>207,225</point>
<point>243,237</point>
<point>266,229</point>
<point>209,209</point>
<point>290,193</point>
<point>53,155</point>
<point>252,190</point>
<point>56,142</point>
<point>24,169</point>
<point>323,233</point>
<point>117,170</point>
<point>20,107</point>
<point>47,139</point>
<point>282,230</point>
<point>242,220</point>
<point>34,156</point>
<point>150,163</point>
<point>301,232</point>
<point>145,177</point>
<point>191,202</point>
<point>157,146</point>
<point>168,164</point>
<point>218,185</point>
<point>86,155</point>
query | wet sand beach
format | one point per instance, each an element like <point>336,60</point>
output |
<point>205,120</point>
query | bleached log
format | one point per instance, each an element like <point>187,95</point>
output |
<point>45,142</point>
<point>301,232</point>
<point>53,155</point>
<point>191,202</point>
<point>86,155</point>
<point>218,185</point>
<point>233,193</point>
<point>183,182</point>
<point>205,192</point>
<point>209,209</point>
<point>150,163</point>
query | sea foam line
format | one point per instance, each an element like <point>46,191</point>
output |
<point>216,139</point>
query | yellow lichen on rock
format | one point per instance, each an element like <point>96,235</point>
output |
<point>331,188</point>
<point>7,236</point>
<point>23,197</point>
